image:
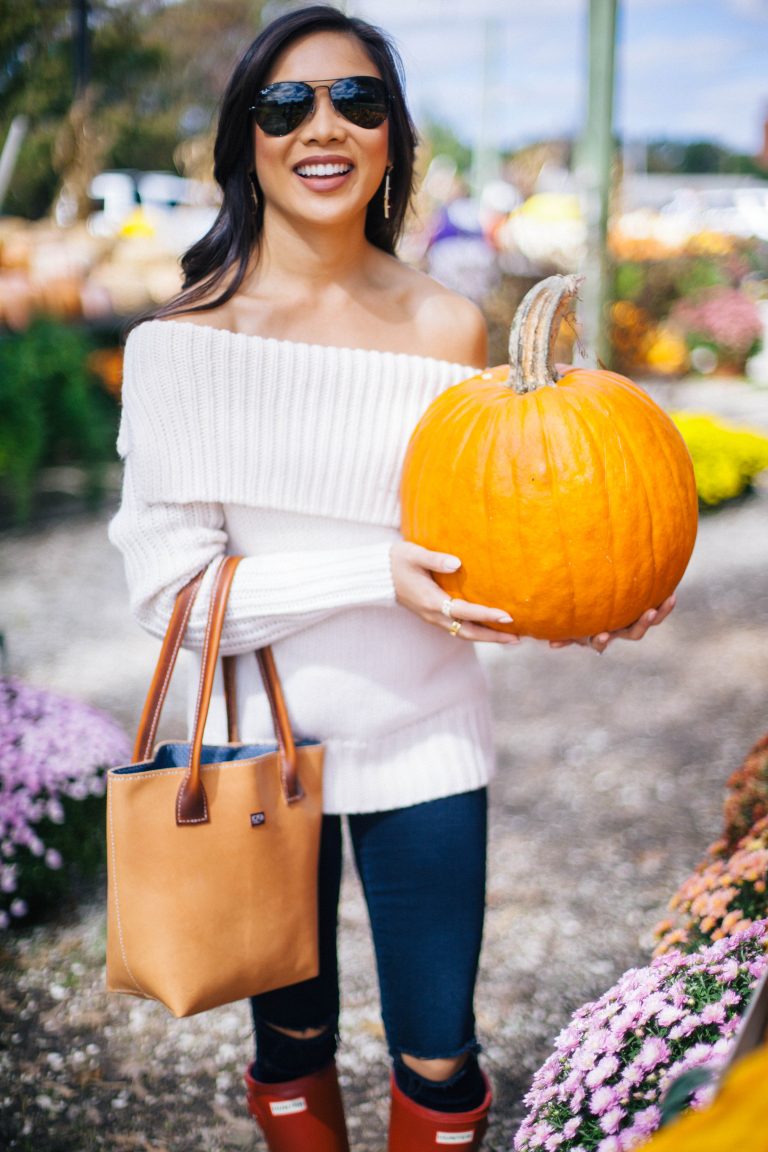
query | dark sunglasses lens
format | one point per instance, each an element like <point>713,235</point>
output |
<point>280,108</point>
<point>362,100</point>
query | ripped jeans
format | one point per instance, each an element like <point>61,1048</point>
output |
<point>422,870</point>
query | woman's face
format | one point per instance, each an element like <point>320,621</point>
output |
<point>288,167</point>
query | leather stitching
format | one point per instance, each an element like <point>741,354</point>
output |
<point>116,896</point>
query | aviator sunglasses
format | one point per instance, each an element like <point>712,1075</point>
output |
<point>280,108</point>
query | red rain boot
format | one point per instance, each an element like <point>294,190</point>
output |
<point>304,1115</point>
<point>413,1128</point>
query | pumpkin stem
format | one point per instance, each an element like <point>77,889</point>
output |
<point>534,332</point>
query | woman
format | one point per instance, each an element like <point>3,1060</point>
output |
<point>266,413</point>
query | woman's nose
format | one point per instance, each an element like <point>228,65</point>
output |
<point>324,121</point>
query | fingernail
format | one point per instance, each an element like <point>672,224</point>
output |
<point>505,618</point>
<point>451,563</point>
<point>603,638</point>
<point>651,616</point>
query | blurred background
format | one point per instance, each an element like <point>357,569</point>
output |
<point>627,140</point>
<point>623,139</point>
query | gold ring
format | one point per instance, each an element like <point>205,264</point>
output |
<point>455,628</point>
<point>445,608</point>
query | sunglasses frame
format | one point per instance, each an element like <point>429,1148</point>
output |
<point>310,106</point>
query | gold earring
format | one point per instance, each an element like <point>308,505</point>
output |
<point>386,193</point>
<point>254,193</point>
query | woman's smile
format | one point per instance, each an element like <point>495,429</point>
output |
<point>324,173</point>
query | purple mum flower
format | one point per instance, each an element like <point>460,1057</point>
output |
<point>611,1121</point>
<point>603,1099</point>
<point>603,1070</point>
<point>42,760</point>
<point>654,1051</point>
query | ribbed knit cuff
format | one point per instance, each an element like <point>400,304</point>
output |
<point>314,582</point>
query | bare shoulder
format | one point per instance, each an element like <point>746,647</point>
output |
<point>213,316</point>
<point>448,325</point>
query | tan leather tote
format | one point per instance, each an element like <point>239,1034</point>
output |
<point>212,850</point>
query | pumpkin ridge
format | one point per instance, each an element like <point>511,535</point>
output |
<point>627,450</point>
<point>490,419</point>
<point>647,418</point>
<point>582,415</point>
<point>492,432</point>
<point>552,476</point>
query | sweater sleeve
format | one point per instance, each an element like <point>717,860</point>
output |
<point>165,544</point>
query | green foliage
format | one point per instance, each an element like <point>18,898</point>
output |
<point>79,839</point>
<point>52,410</point>
<point>443,141</point>
<point>699,157</point>
<point>152,64</point>
<point>655,285</point>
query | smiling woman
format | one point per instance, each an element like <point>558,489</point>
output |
<point>266,412</point>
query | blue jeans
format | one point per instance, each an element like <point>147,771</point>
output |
<point>423,874</point>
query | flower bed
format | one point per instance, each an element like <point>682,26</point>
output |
<point>694,309</point>
<point>601,1088</point>
<point>725,894</point>
<point>53,753</point>
<point>746,799</point>
<point>721,319</point>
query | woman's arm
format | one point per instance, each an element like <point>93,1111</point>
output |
<point>273,596</point>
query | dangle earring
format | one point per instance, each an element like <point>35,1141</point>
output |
<point>386,193</point>
<point>254,190</point>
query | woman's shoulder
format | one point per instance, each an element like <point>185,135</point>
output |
<point>447,326</point>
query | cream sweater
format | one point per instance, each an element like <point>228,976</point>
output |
<point>290,455</point>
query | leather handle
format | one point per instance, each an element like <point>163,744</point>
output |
<point>229,671</point>
<point>285,742</point>
<point>166,662</point>
<point>191,801</point>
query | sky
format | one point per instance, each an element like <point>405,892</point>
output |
<point>685,69</point>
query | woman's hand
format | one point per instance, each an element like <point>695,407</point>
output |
<point>634,631</point>
<point>416,589</point>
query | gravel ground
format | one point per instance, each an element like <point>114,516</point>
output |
<point>609,789</point>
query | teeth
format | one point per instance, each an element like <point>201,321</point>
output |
<point>323,169</point>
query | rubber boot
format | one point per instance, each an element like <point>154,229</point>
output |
<point>304,1115</point>
<point>413,1128</point>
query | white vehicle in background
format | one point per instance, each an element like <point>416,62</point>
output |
<point>730,211</point>
<point>174,208</point>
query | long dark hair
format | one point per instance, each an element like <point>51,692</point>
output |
<point>220,259</point>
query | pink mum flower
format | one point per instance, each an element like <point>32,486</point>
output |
<point>602,1071</point>
<point>653,1052</point>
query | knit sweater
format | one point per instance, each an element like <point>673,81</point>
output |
<point>290,456</point>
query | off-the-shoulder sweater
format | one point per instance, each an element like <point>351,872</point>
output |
<point>290,455</point>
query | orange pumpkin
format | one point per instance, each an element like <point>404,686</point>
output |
<point>570,500</point>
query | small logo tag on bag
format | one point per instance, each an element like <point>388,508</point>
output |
<point>287,1107</point>
<point>257,818</point>
<point>455,1137</point>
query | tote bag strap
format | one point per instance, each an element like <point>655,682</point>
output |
<point>275,697</point>
<point>192,801</point>
<point>166,662</point>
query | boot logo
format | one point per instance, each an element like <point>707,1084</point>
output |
<point>288,1107</point>
<point>455,1137</point>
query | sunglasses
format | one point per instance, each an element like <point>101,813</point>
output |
<point>280,108</point>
